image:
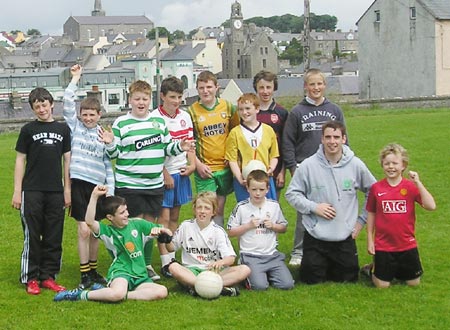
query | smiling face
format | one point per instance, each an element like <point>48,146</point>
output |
<point>247,112</point>
<point>393,166</point>
<point>265,90</point>
<point>43,111</point>
<point>140,103</point>
<point>204,212</point>
<point>90,117</point>
<point>332,140</point>
<point>120,218</point>
<point>315,87</point>
<point>171,101</point>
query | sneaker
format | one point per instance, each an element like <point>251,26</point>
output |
<point>85,281</point>
<point>230,291</point>
<point>97,286</point>
<point>192,292</point>
<point>71,295</point>
<point>97,278</point>
<point>165,271</point>
<point>33,287</point>
<point>366,270</point>
<point>52,285</point>
<point>295,261</point>
<point>152,274</point>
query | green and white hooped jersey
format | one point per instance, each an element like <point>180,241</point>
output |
<point>140,147</point>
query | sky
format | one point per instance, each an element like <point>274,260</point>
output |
<point>49,16</point>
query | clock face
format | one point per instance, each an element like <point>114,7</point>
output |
<point>237,24</point>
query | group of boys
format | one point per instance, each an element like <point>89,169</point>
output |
<point>155,153</point>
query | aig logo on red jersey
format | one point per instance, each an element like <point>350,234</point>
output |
<point>394,206</point>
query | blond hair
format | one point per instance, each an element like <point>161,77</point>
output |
<point>396,149</point>
<point>208,197</point>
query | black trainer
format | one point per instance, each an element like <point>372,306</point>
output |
<point>230,291</point>
<point>97,278</point>
<point>85,281</point>
<point>165,271</point>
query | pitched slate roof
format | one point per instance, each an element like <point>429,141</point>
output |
<point>112,20</point>
<point>440,9</point>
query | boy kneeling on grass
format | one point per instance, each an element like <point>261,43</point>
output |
<point>125,239</point>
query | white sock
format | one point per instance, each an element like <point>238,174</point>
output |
<point>166,258</point>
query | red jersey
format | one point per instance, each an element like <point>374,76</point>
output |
<point>395,214</point>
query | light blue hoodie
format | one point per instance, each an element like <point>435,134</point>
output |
<point>317,181</point>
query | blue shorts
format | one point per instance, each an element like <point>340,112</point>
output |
<point>241,192</point>
<point>181,193</point>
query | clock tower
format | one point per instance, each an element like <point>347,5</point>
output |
<point>234,44</point>
<point>237,22</point>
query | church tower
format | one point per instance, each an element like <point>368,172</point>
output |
<point>98,9</point>
<point>234,44</point>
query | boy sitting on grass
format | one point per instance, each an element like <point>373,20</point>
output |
<point>125,239</point>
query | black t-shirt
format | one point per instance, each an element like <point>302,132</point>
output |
<point>44,143</point>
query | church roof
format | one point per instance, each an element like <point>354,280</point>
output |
<point>112,20</point>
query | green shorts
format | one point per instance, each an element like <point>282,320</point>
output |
<point>134,282</point>
<point>196,270</point>
<point>221,182</point>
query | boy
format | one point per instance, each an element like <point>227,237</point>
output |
<point>89,166</point>
<point>40,194</point>
<point>140,142</point>
<point>257,222</point>
<point>177,169</point>
<point>125,239</point>
<point>391,219</point>
<point>248,141</point>
<point>213,119</point>
<point>265,83</point>
<point>205,246</point>
<point>302,136</point>
<point>324,190</point>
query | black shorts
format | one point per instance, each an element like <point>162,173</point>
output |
<point>141,202</point>
<point>328,261</point>
<point>80,195</point>
<point>404,265</point>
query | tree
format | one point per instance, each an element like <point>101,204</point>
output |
<point>33,32</point>
<point>178,35</point>
<point>293,52</point>
<point>163,32</point>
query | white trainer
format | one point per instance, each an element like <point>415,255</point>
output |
<point>295,261</point>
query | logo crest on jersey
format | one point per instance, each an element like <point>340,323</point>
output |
<point>274,118</point>
<point>183,123</point>
<point>347,184</point>
<point>223,115</point>
<point>155,124</point>
<point>201,119</point>
<point>134,233</point>
<point>394,206</point>
<point>403,192</point>
<point>130,247</point>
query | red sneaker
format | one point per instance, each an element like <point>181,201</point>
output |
<point>52,285</point>
<point>33,287</point>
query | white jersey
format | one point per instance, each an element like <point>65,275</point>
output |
<point>260,240</point>
<point>180,127</point>
<point>201,247</point>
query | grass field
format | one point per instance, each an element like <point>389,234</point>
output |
<point>423,132</point>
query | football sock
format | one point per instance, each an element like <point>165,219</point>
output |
<point>166,258</point>
<point>93,264</point>
<point>84,268</point>
<point>84,295</point>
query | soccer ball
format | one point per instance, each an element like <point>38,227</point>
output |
<point>208,285</point>
<point>252,166</point>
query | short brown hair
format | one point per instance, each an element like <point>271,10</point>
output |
<point>334,124</point>
<point>249,97</point>
<point>140,86</point>
<point>206,76</point>
<point>258,176</point>
<point>267,76</point>
<point>90,103</point>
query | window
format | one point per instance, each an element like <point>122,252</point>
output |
<point>412,12</point>
<point>238,64</point>
<point>266,50</point>
<point>239,51</point>
<point>377,16</point>
<point>264,63</point>
<point>113,99</point>
<point>261,51</point>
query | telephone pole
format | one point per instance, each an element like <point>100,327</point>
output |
<point>306,31</point>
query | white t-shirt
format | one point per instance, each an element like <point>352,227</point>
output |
<point>260,240</point>
<point>201,247</point>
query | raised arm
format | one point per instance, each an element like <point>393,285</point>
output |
<point>428,202</point>
<point>91,208</point>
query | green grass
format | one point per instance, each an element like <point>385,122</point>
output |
<point>327,306</point>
